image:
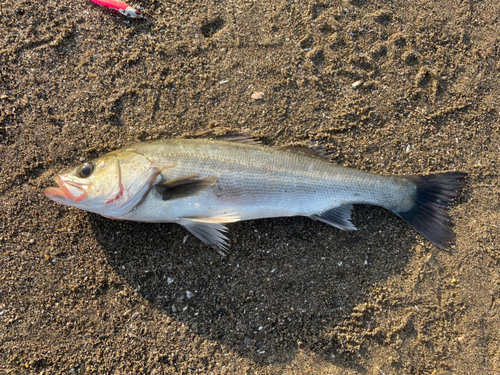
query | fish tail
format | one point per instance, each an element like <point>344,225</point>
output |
<point>428,214</point>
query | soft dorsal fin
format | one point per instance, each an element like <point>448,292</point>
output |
<point>184,186</point>
<point>339,217</point>
<point>312,149</point>
<point>242,137</point>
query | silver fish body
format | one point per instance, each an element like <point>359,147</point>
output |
<point>204,184</point>
<point>256,182</point>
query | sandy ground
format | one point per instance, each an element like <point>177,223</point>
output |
<point>400,87</point>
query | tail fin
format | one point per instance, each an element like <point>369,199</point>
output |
<point>427,216</point>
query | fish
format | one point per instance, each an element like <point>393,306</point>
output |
<point>121,7</point>
<point>204,184</point>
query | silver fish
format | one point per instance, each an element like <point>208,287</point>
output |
<point>203,184</point>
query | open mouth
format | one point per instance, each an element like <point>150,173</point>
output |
<point>65,190</point>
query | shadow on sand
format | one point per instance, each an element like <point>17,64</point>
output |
<point>286,282</point>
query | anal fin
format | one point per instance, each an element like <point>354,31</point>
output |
<point>339,217</point>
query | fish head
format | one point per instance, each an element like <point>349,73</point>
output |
<point>110,186</point>
<point>131,12</point>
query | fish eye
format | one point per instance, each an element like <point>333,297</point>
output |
<point>85,170</point>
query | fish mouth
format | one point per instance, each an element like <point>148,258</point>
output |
<point>66,191</point>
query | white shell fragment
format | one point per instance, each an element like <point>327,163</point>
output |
<point>357,84</point>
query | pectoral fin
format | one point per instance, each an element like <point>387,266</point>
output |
<point>339,217</point>
<point>184,186</point>
<point>210,229</point>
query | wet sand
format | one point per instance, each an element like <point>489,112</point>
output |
<point>393,87</point>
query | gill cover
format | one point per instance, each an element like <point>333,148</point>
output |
<point>110,186</point>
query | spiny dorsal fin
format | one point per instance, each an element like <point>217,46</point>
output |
<point>240,137</point>
<point>184,186</point>
<point>312,149</point>
<point>339,217</point>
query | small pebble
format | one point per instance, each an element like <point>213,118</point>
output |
<point>257,96</point>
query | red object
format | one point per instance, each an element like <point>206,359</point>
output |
<point>120,6</point>
<point>115,4</point>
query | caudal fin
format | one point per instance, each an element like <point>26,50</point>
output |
<point>428,215</point>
